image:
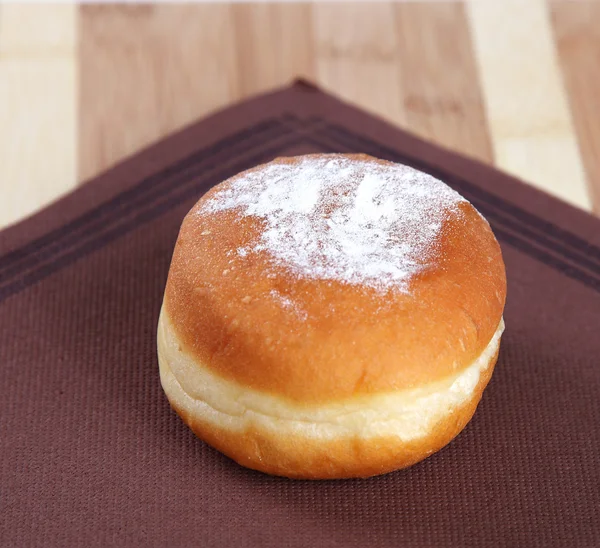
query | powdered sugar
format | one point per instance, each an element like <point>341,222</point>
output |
<point>331,217</point>
<point>288,304</point>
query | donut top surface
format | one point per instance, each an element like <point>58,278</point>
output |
<point>345,219</point>
<point>325,277</point>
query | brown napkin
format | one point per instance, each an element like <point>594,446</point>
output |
<point>92,455</point>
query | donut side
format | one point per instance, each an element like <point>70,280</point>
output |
<point>359,437</point>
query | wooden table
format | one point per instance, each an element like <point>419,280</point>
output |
<point>513,83</point>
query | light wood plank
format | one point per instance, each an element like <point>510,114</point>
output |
<point>440,82</point>
<point>273,44</point>
<point>147,70</point>
<point>37,106</point>
<point>577,31</point>
<point>356,51</point>
<point>530,122</point>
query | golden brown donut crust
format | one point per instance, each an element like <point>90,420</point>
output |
<point>353,340</point>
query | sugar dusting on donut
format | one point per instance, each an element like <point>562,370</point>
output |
<point>331,217</point>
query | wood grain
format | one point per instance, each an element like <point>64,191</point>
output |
<point>439,78</point>
<point>38,87</point>
<point>529,119</point>
<point>577,31</point>
<point>281,33</point>
<point>357,55</point>
<point>147,70</point>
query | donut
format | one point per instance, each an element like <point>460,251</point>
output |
<point>330,316</point>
